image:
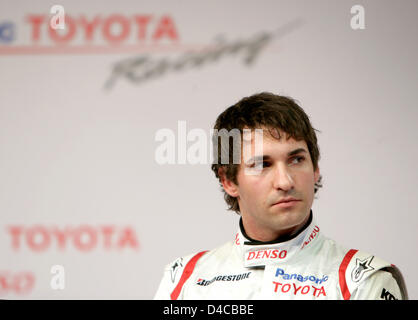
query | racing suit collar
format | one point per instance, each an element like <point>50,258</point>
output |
<point>281,239</point>
<point>257,253</point>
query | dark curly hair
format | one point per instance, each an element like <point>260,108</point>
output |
<point>260,110</point>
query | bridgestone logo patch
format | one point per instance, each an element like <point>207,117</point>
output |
<point>236,277</point>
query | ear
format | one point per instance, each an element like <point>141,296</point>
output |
<point>229,186</point>
<point>317,174</point>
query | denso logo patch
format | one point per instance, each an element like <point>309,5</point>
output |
<point>269,254</point>
<point>312,236</point>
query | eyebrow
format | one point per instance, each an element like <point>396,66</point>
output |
<point>267,157</point>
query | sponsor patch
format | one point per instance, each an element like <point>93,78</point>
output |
<point>386,295</point>
<point>301,278</point>
<point>235,277</point>
<point>362,266</point>
<point>174,268</point>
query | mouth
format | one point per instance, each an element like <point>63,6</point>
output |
<point>286,203</point>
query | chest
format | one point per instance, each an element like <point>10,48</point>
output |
<point>301,281</point>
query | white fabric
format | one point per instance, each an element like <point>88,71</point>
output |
<point>304,267</point>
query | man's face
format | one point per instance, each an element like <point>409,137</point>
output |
<point>286,172</point>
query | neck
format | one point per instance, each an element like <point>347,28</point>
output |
<point>271,236</point>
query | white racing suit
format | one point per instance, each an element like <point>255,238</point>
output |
<point>307,266</point>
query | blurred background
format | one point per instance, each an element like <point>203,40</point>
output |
<point>82,195</point>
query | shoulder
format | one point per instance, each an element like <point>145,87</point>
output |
<point>175,275</point>
<point>364,276</point>
<point>197,260</point>
<point>178,271</point>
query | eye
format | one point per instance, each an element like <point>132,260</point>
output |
<point>264,164</point>
<point>297,160</point>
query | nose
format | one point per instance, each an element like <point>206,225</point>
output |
<point>283,179</point>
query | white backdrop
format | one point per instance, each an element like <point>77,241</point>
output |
<point>79,183</point>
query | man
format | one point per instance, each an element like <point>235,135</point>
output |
<point>278,251</point>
